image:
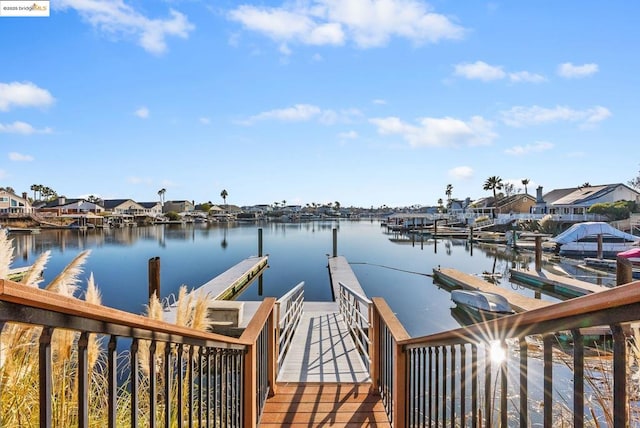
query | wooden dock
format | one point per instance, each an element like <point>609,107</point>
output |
<point>569,287</point>
<point>340,271</point>
<point>456,279</point>
<point>232,281</point>
<point>322,349</point>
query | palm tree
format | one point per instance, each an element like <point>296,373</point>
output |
<point>525,181</point>
<point>224,195</point>
<point>493,183</point>
<point>448,192</point>
<point>34,187</point>
<point>161,193</point>
<point>440,205</point>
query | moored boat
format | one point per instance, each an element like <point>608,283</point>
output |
<point>482,304</point>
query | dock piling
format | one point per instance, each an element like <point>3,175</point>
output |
<point>538,253</point>
<point>154,277</point>
<point>260,242</point>
<point>624,271</point>
<point>335,242</point>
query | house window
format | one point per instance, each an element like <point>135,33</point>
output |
<point>579,210</point>
<point>565,211</point>
<point>4,199</point>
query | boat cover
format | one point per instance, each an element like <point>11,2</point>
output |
<point>591,228</point>
<point>632,253</point>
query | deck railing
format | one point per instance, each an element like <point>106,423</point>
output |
<point>289,311</point>
<point>192,378</point>
<point>455,378</point>
<point>356,313</point>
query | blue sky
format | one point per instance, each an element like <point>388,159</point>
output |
<point>365,102</point>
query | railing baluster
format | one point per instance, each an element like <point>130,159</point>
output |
<point>200,384</point>
<point>45,377</point>
<point>445,374</point>
<point>524,389</point>
<point>620,396</point>
<point>503,386</point>
<point>463,384</point>
<point>437,385</point>
<point>133,362</point>
<point>452,418</point>
<point>168,364</point>
<point>578,379</point>
<point>548,380</point>
<point>180,380</point>
<point>190,395</point>
<point>152,384</point>
<point>487,386</point>
<point>431,398</point>
<point>112,369</point>
<point>474,385</point>
<point>210,388</point>
<point>83,381</point>
<point>425,386</point>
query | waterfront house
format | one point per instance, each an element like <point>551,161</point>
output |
<point>10,203</point>
<point>178,206</point>
<point>516,204</point>
<point>152,209</point>
<point>64,206</point>
<point>575,202</point>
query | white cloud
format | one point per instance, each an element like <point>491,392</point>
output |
<point>350,135</point>
<point>539,146</point>
<point>525,76</point>
<point>305,113</point>
<point>535,115</point>
<point>461,172</point>
<point>22,128</point>
<point>19,157</point>
<point>439,132</point>
<point>379,102</point>
<point>117,18</point>
<point>27,94</point>
<point>571,71</point>
<point>142,113</point>
<point>480,70</point>
<point>204,120</point>
<point>366,23</point>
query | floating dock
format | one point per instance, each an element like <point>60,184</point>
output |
<point>456,279</point>
<point>569,287</point>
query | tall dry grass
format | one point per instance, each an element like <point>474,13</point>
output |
<point>19,346</point>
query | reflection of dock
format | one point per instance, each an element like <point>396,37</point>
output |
<point>456,279</point>
<point>565,286</point>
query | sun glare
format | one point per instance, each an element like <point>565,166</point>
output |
<point>498,354</point>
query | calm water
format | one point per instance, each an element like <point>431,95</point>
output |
<point>387,265</point>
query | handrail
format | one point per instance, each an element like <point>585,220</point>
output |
<point>199,376</point>
<point>425,380</point>
<point>288,320</point>
<point>355,311</point>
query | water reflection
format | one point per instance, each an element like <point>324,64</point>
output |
<point>390,265</point>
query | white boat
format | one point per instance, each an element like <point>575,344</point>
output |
<point>581,239</point>
<point>487,305</point>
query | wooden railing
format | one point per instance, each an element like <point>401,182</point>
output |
<point>454,378</point>
<point>356,313</point>
<point>289,311</point>
<point>197,379</point>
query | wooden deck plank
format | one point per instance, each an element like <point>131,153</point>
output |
<point>233,279</point>
<point>324,405</point>
<point>322,349</point>
<point>518,302</point>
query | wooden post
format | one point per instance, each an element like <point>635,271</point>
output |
<point>538,253</point>
<point>273,349</point>
<point>250,408</point>
<point>260,242</point>
<point>335,242</point>
<point>599,246</point>
<point>624,271</point>
<point>154,277</point>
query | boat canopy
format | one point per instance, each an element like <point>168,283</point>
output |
<point>632,253</point>
<point>592,228</point>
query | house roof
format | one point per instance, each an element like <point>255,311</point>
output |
<point>514,198</point>
<point>148,204</point>
<point>112,203</point>
<point>582,195</point>
<point>56,203</point>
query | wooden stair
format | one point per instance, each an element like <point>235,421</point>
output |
<point>324,405</point>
